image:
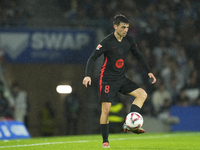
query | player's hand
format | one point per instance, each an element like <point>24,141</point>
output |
<point>86,81</point>
<point>152,77</point>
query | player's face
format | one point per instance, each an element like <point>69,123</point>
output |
<point>122,29</point>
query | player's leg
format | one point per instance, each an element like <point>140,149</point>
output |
<point>108,92</point>
<point>131,88</point>
<point>105,109</point>
<point>104,122</point>
<point>140,97</point>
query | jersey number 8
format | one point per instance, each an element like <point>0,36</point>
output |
<point>107,88</point>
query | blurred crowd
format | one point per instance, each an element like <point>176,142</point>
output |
<point>167,33</point>
<point>11,14</point>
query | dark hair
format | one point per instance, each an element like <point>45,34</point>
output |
<point>120,18</point>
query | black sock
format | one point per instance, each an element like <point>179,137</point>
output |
<point>105,132</point>
<point>135,108</point>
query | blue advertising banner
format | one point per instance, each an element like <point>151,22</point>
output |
<point>189,118</point>
<point>47,46</point>
<point>13,130</point>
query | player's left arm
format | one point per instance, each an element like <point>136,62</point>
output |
<point>152,77</point>
<point>136,52</point>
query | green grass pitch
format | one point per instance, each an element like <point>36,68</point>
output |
<point>125,141</point>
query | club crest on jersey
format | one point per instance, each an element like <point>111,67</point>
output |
<point>98,47</point>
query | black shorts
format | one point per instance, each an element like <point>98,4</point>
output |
<point>109,89</point>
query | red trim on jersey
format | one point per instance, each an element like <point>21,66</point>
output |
<point>101,75</point>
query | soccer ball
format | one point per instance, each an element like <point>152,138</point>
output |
<point>134,120</point>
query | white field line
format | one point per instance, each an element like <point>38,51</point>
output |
<point>85,141</point>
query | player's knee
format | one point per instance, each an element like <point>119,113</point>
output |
<point>106,110</point>
<point>142,94</point>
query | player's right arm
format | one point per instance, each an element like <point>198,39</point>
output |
<point>87,79</point>
<point>100,49</point>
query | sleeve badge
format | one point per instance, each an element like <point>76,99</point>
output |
<point>98,47</point>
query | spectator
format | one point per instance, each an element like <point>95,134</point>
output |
<point>188,68</point>
<point>197,103</point>
<point>5,112</point>
<point>20,102</point>
<point>182,58</point>
<point>47,120</point>
<point>172,70</point>
<point>159,97</point>
<point>164,114</point>
<point>72,108</point>
<point>182,99</point>
<point>161,57</point>
<point>192,87</point>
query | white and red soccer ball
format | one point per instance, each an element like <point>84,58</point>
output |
<point>134,120</point>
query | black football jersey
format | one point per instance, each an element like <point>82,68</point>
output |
<point>115,54</point>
